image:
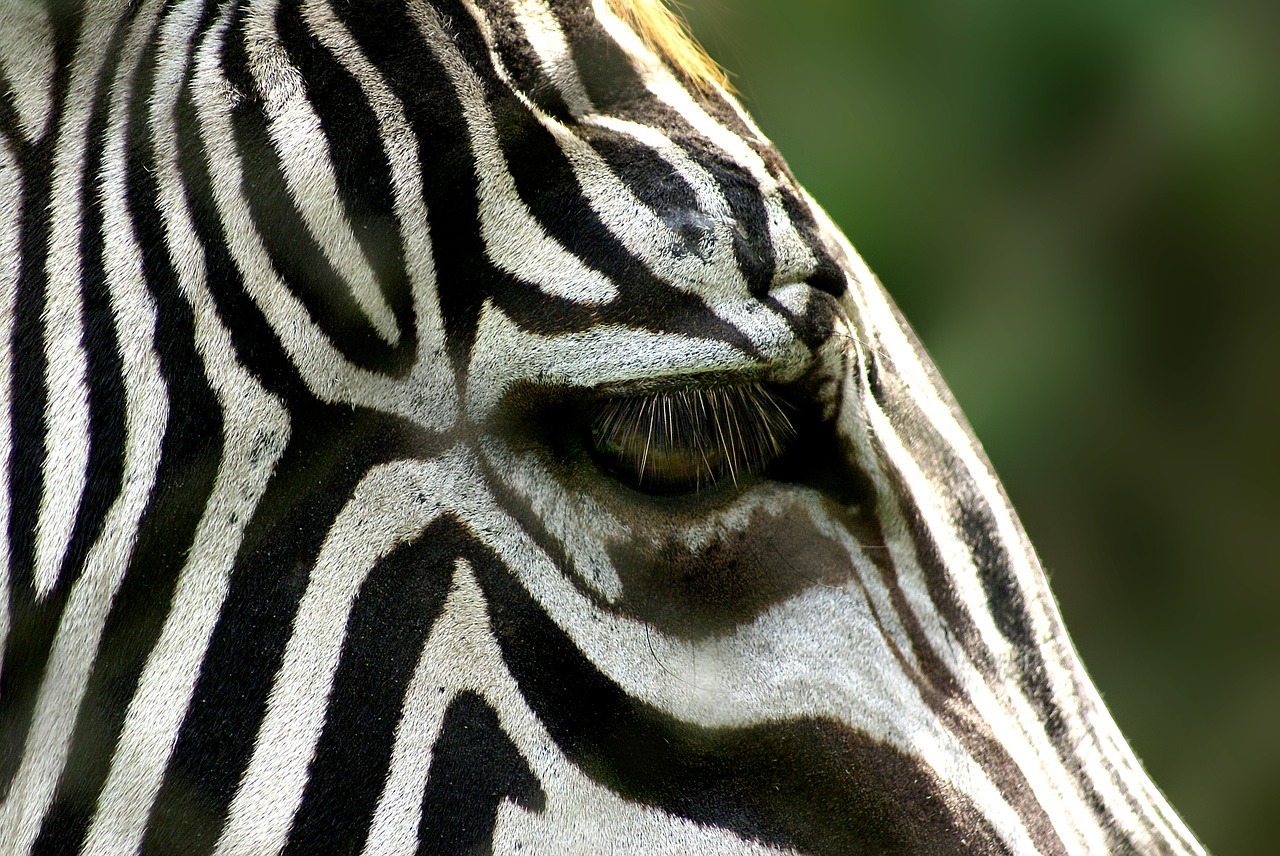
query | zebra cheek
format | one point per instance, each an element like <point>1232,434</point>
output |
<point>695,591</point>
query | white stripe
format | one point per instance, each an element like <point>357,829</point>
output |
<point>638,227</point>
<point>26,64</point>
<point>709,199</point>
<point>504,355</point>
<point>1061,667</point>
<point>717,279</point>
<point>1021,736</point>
<point>750,678</point>
<point>1117,760</point>
<point>394,826</point>
<point>67,404</point>
<point>864,426</point>
<point>554,56</point>
<point>381,514</point>
<point>326,372</point>
<point>514,239</point>
<point>660,82</point>
<point>548,42</point>
<point>791,253</point>
<point>10,257</point>
<point>307,164</point>
<point>427,395</point>
<point>255,431</point>
<point>791,660</point>
<point>580,818</point>
<point>706,191</point>
<point>75,647</point>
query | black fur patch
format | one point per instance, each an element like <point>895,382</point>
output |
<point>474,767</point>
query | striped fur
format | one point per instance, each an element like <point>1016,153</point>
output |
<point>305,551</point>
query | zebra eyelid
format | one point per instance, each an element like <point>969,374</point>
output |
<point>680,440</point>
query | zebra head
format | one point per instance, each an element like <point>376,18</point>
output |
<point>444,425</point>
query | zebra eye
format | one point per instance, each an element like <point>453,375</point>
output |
<point>683,440</point>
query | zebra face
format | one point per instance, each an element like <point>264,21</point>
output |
<point>454,429</point>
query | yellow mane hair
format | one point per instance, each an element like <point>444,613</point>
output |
<point>667,34</point>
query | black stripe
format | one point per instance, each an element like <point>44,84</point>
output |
<point>467,278</point>
<point>531,523</point>
<point>605,71</point>
<point>392,615</point>
<point>10,122</point>
<point>645,173</point>
<point>33,624</point>
<point>184,479</point>
<point>951,480</point>
<point>937,460</point>
<point>254,343</point>
<point>521,63</point>
<point>293,250</point>
<point>828,274</point>
<point>64,27</point>
<point>546,183</point>
<point>104,367</point>
<point>811,784</point>
<point>464,273</point>
<point>946,697</point>
<point>753,245</point>
<point>330,450</point>
<point>613,82</point>
<point>461,797</point>
<point>363,174</point>
<point>689,596</point>
<point>616,87</point>
<point>1007,604</point>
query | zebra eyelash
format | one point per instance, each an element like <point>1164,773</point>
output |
<point>682,440</point>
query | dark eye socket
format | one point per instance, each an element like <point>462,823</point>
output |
<point>682,440</point>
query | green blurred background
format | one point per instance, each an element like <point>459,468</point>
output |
<point>1075,203</point>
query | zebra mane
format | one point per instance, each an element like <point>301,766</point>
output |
<point>666,33</point>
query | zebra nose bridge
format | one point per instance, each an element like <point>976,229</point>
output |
<point>955,587</point>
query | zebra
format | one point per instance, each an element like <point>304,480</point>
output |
<point>446,426</point>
